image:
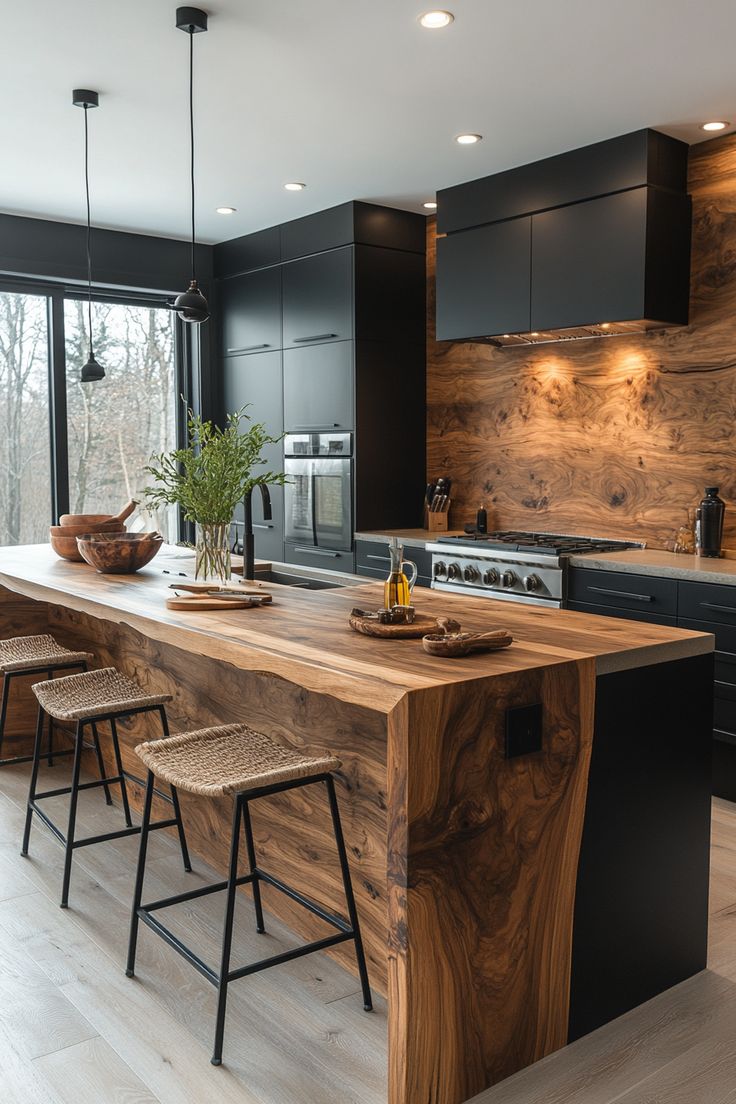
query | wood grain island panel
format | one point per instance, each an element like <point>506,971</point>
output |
<point>466,862</point>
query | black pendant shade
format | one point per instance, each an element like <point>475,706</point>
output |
<point>86,98</point>
<point>191,305</point>
<point>92,371</point>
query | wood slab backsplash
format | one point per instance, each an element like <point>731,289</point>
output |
<point>613,437</point>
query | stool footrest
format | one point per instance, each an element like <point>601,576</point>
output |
<point>174,941</point>
<point>191,894</point>
<point>82,786</point>
<point>311,906</point>
<point>87,840</point>
<point>29,758</point>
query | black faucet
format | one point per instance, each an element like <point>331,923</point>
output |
<point>248,543</point>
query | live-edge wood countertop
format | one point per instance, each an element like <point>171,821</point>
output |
<point>309,630</point>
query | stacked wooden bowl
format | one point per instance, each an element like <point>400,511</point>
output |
<point>63,537</point>
<point>118,553</point>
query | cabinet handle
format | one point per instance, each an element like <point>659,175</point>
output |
<point>623,594</point>
<point>725,737</point>
<point>314,337</point>
<point>727,685</point>
<point>383,559</point>
<point>260,525</point>
<point>248,348</point>
<point>319,552</point>
<point>318,425</point>
<point>721,609</point>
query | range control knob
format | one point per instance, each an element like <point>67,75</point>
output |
<point>440,569</point>
<point>490,577</point>
<point>453,571</point>
<point>471,574</point>
<point>531,582</point>
<point>508,578</point>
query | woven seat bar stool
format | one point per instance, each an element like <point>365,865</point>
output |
<point>21,656</point>
<point>234,760</point>
<point>92,698</point>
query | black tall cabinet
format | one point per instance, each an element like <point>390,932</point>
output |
<point>322,328</point>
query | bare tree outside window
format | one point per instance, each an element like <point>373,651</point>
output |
<point>25,458</point>
<point>116,424</point>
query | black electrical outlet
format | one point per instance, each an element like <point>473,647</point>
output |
<point>523,730</point>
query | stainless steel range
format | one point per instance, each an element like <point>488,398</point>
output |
<point>512,566</point>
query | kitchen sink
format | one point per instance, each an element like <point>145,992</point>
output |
<point>296,579</point>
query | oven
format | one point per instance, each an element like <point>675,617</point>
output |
<point>318,494</point>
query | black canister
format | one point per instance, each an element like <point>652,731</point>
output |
<point>710,523</point>
<point>481,520</point>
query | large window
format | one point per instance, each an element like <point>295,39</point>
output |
<point>25,458</point>
<point>68,446</point>
<point>115,425</point>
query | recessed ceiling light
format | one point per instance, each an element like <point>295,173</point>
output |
<point>717,124</point>
<point>468,139</point>
<point>431,205</point>
<point>226,210</point>
<point>436,19</point>
<point>295,186</point>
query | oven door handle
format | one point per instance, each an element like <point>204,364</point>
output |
<point>313,493</point>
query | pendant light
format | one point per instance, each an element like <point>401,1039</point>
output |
<point>85,98</point>
<point>191,305</point>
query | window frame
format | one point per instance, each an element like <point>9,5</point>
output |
<point>187,370</point>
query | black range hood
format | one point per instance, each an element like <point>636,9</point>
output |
<point>591,243</point>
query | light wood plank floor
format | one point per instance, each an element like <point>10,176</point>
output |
<point>73,1028</point>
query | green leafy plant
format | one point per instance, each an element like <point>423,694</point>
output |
<point>213,473</point>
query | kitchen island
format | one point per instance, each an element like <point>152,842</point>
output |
<point>528,829</point>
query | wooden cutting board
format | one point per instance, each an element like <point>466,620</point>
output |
<point>197,602</point>
<point>420,626</point>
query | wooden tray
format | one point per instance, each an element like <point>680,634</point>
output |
<point>403,631</point>
<point>454,645</point>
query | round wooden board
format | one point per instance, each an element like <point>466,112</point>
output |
<point>404,631</point>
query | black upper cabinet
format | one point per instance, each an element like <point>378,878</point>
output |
<point>255,381</point>
<point>318,298</point>
<point>251,312</point>
<point>483,281</point>
<point>318,387</point>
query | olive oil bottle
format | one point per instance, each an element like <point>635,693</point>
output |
<point>397,588</point>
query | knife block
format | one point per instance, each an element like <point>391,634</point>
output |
<point>437,521</point>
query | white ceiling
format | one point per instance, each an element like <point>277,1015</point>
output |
<point>354,98</point>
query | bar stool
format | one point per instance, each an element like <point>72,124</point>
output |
<point>234,760</point>
<point>89,699</point>
<point>21,656</point>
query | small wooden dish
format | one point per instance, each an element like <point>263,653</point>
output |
<point>420,626</point>
<point>453,645</point>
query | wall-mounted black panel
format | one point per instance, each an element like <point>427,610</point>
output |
<point>318,387</point>
<point>669,232</point>
<point>483,281</point>
<point>247,253</point>
<point>318,298</point>
<point>589,262</point>
<point>390,295</point>
<point>250,309</point>
<point>629,161</point>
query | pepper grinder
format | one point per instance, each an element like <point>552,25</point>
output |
<point>709,525</point>
<point>481,520</point>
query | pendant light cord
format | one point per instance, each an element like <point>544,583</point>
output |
<point>89,229</point>
<point>191,133</point>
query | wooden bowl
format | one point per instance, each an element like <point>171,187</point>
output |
<point>63,539</point>
<point>118,553</point>
<point>81,530</point>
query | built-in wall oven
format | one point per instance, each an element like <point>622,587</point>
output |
<point>318,494</point>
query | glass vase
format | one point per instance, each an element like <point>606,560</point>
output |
<point>212,553</point>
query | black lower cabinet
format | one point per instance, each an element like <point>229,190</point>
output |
<point>641,904</point>
<point>372,559</point>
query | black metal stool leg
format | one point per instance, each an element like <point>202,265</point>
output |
<point>50,745</point>
<point>349,898</point>
<point>140,874</point>
<point>119,768</point>
<point>180,829</point>
<point>100,762</point>
<point>227,934</point>
<point>69,850</point>
<point>34,780</point>
<point>260,927</point>
<point>4,709</point>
